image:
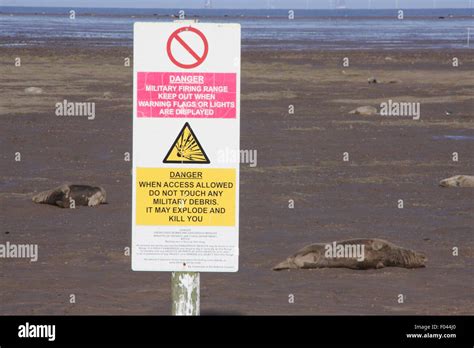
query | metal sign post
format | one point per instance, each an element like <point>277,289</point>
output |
<point>185,298</point>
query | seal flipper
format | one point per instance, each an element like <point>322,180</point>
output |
<point>52,196</point>
<point>95,199</point>
<point>65,201</point>
<point>43,197</point>
<point>62,204</point>
<point>282,265</point>
<point>380,265</point>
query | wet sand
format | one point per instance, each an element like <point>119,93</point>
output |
<point>81,251</point>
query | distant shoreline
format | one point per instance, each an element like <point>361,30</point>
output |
<point>261,29</point>
<point>195,16</point>
<point>263,13</point>
<point>249,9</point>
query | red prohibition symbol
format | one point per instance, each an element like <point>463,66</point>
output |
<point>199,58</point>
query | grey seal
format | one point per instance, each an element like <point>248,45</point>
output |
<point>65,196</point>
<point>377,253</point>
<point>458,181</point>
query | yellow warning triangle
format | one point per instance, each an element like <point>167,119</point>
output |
<point>186,148</point>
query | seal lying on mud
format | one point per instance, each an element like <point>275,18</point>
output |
<point>64,195</point>
<point>458,181</point>
<point>376,253</point>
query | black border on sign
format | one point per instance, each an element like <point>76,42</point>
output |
<point>197,141</point>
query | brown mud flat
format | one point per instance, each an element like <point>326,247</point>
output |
<point>81,251</point>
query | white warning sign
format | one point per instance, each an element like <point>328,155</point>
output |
<point>186,114</point>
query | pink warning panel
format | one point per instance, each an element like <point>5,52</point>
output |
<point>187,95</point>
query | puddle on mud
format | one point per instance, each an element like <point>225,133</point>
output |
<point>454,137</point>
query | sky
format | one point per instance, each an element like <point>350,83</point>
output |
<point>286,4</point>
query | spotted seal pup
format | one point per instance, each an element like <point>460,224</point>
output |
<point>67,196</point>
<point>376,253</point>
